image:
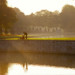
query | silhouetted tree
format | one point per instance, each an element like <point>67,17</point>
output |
<point>68,17</point>
<point>3,3</point>
<point>7,16</point>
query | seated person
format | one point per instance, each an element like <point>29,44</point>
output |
<point>24,35</point>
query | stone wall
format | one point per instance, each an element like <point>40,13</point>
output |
<point>42,46</point>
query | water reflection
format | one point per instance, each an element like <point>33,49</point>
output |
<point>37,64</point>
<point>17,69</point>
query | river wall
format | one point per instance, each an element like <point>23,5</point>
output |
<point>38,46</point>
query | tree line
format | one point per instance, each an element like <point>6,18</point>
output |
<point>13,19</point>
<point>64,19</point>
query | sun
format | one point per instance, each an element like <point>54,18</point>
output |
<point>29,6</point>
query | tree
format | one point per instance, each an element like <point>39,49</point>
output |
<point>68,17</point>
<point>43,13</point>
<point>7,16</point>
<point>3,3</point>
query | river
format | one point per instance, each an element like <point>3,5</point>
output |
<point>41,64</point>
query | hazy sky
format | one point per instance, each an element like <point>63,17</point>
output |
<point>29,6</point>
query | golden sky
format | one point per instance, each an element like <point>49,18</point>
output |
<point>29,6</point>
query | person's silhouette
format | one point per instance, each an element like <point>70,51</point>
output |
<point>25,34</point>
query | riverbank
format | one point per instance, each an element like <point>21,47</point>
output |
<point>42,46</point>
<point>34,37</point>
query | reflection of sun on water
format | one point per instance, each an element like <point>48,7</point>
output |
<point>17,69</point>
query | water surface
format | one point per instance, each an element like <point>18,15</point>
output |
<point>17,69</point>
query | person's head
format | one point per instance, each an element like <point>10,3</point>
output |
<point>24,33</point>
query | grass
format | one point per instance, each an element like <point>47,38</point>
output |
<point>32,37</point>
<point>66,38</point>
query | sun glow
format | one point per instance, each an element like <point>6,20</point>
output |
<point>17,69</point>
<point>29,6</point>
